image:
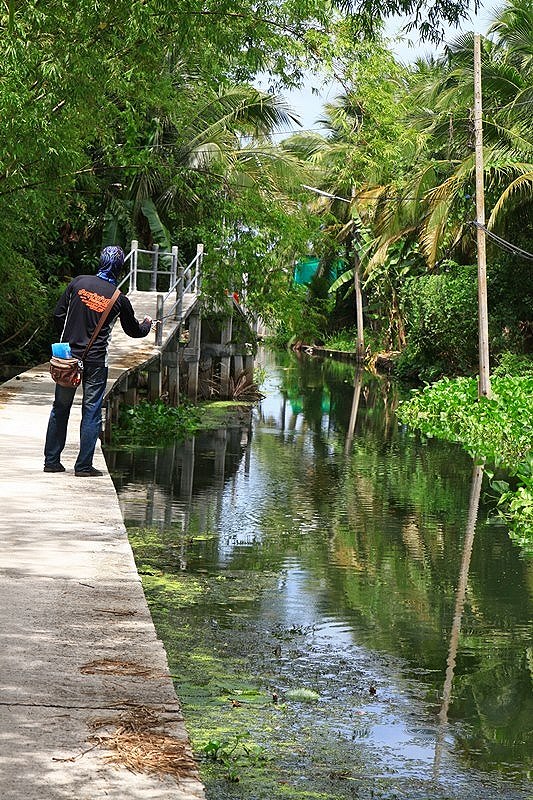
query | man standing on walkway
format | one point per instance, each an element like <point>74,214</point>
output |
<point>76,317</point>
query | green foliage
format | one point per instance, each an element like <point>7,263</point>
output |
<point>25,304</point>
<point>440,313</point>
<point>441,319</point>
<point>515,505</point>
<point>152,424</point>
<point>402,148</point>
<point>249,233</point>
<point>175,146</point>
<point>344,340</point>
<point>514,364</point>
<point>498,431</point>
<point>236,755</point>
<point>305,318</point>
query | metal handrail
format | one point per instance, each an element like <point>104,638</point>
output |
<point>184,271</point>
<point>193,270</point>
<point>182,280</point>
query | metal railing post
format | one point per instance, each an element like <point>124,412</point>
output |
<point>174,267</point>
<point>199,259</point>
<point>155,260</point>
<point>179,294</point>
<point>133,266</point>
<point>159,315</point>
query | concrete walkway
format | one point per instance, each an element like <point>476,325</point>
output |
<point>79,653</point>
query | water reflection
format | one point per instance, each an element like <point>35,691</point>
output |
<point>357,384</point>
<point>355,533</point>
<point>473,507</point>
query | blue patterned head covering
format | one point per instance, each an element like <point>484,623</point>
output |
<point>111,263</point>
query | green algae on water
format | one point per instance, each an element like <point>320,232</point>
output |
<point>248,732</point>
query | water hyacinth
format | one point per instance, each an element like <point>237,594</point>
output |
<point>497,431</point>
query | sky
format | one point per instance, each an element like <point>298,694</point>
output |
<point>308,105</point>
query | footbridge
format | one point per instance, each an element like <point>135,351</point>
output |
<point>158,353</point>
<point>88,708</point>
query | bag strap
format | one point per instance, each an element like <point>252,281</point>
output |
<point>101,321</point>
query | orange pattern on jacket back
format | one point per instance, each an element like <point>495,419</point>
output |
<point>96,302</point>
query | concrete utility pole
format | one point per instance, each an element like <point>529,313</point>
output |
<point>360,347</point>
<point>484,389</point>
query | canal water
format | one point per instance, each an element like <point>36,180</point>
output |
<point>342,616</point>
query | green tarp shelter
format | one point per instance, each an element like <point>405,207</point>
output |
<point>305,270</point>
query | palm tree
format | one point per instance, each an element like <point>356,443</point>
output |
<point>225,139</point>
<point>364,151</point>
<point>437,199</point>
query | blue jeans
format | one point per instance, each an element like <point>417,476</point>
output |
<point>93,384</point>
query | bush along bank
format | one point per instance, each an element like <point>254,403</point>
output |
<point>497,431</point>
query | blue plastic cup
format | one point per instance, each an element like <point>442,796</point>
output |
<point>61,350</point>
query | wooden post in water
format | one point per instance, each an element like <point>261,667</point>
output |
<point>195,332</point>
<point>484,388</point>
<point>155,379</point>
<point>360,347</point>
<point>130,395</point>
<point>225,361</point>
<point>249,368</point>
<point>171,360</point>
<point>238,364</point>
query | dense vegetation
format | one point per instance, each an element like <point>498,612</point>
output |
<point>141,120</point>
<point>134,120</point>
<point>400,148</point>
<point>496,431</point>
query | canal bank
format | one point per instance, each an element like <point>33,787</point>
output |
<point>87,703</point>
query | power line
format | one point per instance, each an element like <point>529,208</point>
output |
<point>503,243</point>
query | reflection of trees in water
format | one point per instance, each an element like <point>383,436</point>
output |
<point>393,514</point>
<point>156,485</point>
<point>319,389</point>
<point>379,518</point>
<point>500,687</point>
<point>357,384</point>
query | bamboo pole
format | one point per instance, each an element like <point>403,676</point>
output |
<point>484,388</point>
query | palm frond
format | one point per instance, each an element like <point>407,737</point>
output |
<point>159,233</point>
<point>521,187</point>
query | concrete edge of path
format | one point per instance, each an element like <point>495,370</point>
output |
<point>80,658</point>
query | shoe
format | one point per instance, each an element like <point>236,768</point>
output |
<point>54,467</point>
<point>92,472</point>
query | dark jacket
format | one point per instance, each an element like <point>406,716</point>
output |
<point>79,309</point>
